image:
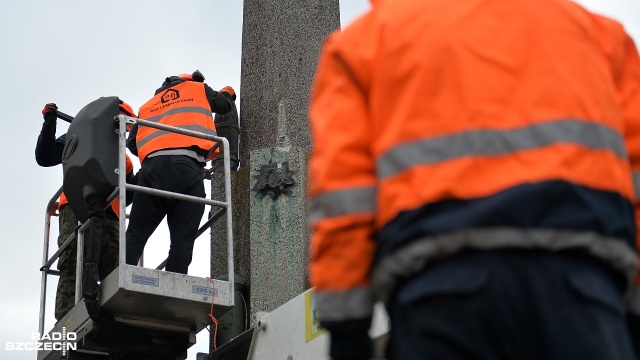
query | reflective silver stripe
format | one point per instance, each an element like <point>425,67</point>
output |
<point>186,109</point>
<point>343,202</point>
<point>496,142</point>
<point>344,305</point>
<point>140,143</point>
<point>636,183</point>
<point>412,258</point>
<point>186,152</point>
<point>633,300</point>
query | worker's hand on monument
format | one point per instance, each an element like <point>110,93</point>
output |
<point>229,90</point>
<point>49,112</point>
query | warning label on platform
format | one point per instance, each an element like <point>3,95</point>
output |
<point>201,290</point>
<point>311,317</point>
<point>145,280</point>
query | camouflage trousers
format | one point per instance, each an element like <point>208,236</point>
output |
<point>65,295</point>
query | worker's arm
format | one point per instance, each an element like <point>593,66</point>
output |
<point>131,140</point>
<point>628,81</point>
<point>131,178</point>
<point>220,101</point>
<point>342,187</point>
<point>630,95</point>
<point>48,148</point>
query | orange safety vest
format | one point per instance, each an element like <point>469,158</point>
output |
<point>441,126</point>
<point>185,106</point>
<point>115,205</point>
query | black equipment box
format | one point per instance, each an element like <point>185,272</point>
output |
<point>90,155</point>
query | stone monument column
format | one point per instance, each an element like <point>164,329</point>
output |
<point>281,42</point>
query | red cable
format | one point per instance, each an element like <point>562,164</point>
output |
<point>215,321</point>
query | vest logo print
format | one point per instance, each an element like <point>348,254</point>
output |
<point>170,95</point>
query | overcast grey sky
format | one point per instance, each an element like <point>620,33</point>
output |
<point>72,52</point>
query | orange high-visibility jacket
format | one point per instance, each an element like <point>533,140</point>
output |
<point>115,205</point>
<point>184,105</point>
<point>441,125</point>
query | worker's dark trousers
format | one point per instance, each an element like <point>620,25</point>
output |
<point>175,173</point>
<point>510,305</point>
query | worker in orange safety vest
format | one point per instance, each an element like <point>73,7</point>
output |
<point>174,162</point>
<point>48,152</point>
<point>476,166</point>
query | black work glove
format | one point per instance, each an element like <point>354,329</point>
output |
<point>49,112</point>
<point>633,321</point>
<point>350,340</point>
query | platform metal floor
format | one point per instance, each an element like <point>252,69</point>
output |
<point>165,307</point>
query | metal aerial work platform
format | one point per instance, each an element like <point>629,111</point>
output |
<point>159,312</point>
